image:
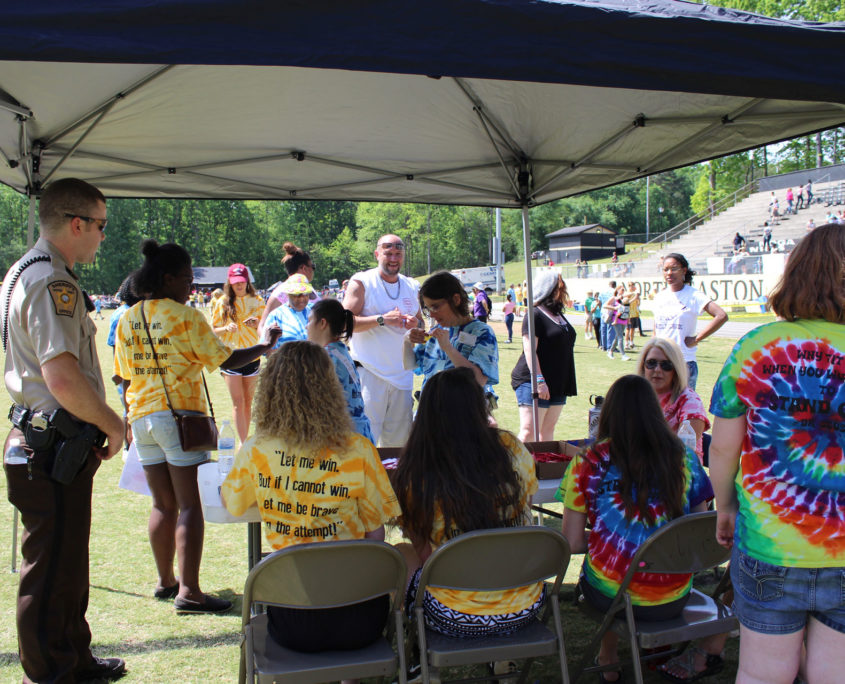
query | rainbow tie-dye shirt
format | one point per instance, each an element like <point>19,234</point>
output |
<point>788,379</point>
<point>591,486</point>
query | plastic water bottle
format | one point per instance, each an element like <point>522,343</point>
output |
<point>225,449</point>
<point>593,414</point>
<point>687,435</point>
<point>15,455</point>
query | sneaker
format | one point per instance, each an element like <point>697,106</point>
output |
<point>102,669</point>
<point>610,354</point>
<point>625,358</point>
<point>211,604</point>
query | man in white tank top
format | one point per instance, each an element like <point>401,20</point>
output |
<point>385,304</point>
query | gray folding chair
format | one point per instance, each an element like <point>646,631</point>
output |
<point>687,544</point>
<point>490,560</point>
<point>323,575</point>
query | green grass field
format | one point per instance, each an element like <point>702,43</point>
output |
<point>160,646</point>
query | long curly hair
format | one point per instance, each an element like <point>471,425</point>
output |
<point>455,462</point>
<point>299,399</point>
<point>229,309</point>
<point>648,455</point>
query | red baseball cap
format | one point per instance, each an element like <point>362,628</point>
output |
<point>238,274</point>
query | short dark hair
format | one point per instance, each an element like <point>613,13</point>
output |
<point>341,321</point>
<point>66,196</point>
<point>443,285</point>
<point>159,260</point>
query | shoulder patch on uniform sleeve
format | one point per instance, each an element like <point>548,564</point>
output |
<point>64,296</point>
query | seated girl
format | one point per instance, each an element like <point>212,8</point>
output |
<point>457,474</point>
<point>662,363</point>
<point>304,437</point>
<point>328,324</point>
<point>636,478</point>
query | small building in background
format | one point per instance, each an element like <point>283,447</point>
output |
<point>590,242</point>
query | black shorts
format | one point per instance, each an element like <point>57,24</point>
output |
<point>328,629</point>
<point>634,322</point>
<point>248,371</point>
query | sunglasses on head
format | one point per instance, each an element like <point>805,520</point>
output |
<point>665,365</point>
<point>398,246</point>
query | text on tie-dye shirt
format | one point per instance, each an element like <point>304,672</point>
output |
<point>788,379</point>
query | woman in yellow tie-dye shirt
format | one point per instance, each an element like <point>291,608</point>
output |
<point>457,474</point>
<point>313,479</point>
<point>234,320</point>
<point>184,344</point>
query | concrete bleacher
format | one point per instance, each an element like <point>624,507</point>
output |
<point>715,236</point>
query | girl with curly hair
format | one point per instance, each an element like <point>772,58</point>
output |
<point>313,479</point>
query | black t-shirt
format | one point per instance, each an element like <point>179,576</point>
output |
<point>555,354</point>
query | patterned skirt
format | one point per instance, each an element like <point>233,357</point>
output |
<point>454,623</point>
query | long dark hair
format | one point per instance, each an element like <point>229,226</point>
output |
<point>649,456</point>
<point>229,309</point>
<point>682,260</point>
<point>159,260</point>
<point>455,461</point>
<point>341,321</point>
<point>443,285</point>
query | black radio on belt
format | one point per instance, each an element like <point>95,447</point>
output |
<point>73,440</point>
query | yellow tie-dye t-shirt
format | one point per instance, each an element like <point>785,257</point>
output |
<point>245,307</point>
<point>185,344</point>
<point>306,495</point>
<point>508,600</point>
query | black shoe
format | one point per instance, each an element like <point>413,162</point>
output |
<point>102,669</point>
<point>165,593</point>
<point>210,605</point>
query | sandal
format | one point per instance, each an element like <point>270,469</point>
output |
<point>605,680</point>
<point>686,661</point>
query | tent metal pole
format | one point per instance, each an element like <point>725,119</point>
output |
<point>30,225</point>
<point>532,362</point>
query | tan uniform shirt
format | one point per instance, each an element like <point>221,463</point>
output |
<point>47,317</point>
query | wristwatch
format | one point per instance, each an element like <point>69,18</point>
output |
<point>380,320</point>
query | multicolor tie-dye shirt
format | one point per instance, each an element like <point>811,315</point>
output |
<point>687,406</point>
<point>344,366</point>
<point>291,322</point>
<point>508,600</point>
<point>307,495</point>
<point>475,341</point>
<point>788,379</point>
<point>248,306</point>
<point>591,486</point>
<point>185,344</point>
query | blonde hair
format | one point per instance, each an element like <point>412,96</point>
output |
<point>673,354</point>
<point>299,399</point>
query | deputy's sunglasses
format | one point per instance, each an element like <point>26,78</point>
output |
<point>102,223</point>
<point>665,365</point>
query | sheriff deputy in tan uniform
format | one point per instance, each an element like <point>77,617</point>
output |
<point>51,363</point>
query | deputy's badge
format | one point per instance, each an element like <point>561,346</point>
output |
<point>64,296</point>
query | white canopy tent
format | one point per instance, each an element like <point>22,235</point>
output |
<point>505,103</point>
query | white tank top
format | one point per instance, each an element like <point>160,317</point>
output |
<point>379,349</point>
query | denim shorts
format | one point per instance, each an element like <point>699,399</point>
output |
<point>157,441</point>
<point>523,397</point>
<point>772,599</point>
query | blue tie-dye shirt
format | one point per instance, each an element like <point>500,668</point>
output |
<point>291,322</point>
<point>344,366</point>
<point>483,351</point>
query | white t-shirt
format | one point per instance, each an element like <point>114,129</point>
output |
<point>380,349</point>
<point>676,315</point>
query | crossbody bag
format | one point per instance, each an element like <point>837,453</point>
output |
<point>196,432</point>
